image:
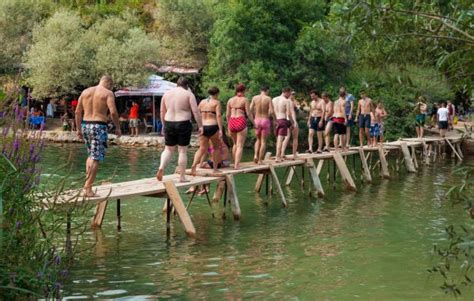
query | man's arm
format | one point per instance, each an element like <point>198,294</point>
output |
<point>358,109</point>
<point>252,104</point>
<point>292,112</point>
<point>271,111</point>
<point>309,114</point>
<point>228,111</point>
<point>323,114</point>
<point>196,114</point>
<point>247,109</point>
<point>352,109</point>
<point>78,118</point>
<point>114,113</point>
<point>219,118</point>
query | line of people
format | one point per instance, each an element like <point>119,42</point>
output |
<point>179,107</point>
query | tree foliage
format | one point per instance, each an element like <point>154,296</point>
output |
<point>65,57</point>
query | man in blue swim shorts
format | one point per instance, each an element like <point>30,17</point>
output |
<point>91,124</point>
<point>363,117</point>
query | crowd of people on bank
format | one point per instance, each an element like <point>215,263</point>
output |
<point>179,107</point>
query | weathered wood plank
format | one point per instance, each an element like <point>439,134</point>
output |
<point>175,198</point>
<point>454,150</point>
<point>345,174</point>
<point>278,186</point>
<point>315,178</point>
<point>365,166</point>
<point>232,196</point>
<point>258,185</point>
<point>408,159</point>
<point>383,162</point>
<point>99,214</point>
<point>290,175</point>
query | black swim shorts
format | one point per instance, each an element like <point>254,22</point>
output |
<point>178,132</point>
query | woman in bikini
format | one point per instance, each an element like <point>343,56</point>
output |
<point>210,109</point>
<point>237,109</point>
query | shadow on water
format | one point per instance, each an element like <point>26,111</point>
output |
<point>373,244</point>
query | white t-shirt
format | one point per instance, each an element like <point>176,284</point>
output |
<point>443,114</point>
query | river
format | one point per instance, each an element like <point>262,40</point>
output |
<point>370,245</point>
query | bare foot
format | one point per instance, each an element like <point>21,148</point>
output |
<point>193,170</point>
<point>236,166</point>
<point>217,171</point>
<point>159,175</point>
<point>295,157</point>
<point>255,160</point>
<point>184,180</point>
<point>259,162</point>
<point>88,193</point>
<point>191,190</point>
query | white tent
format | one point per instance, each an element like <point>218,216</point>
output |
<point>157,86</point>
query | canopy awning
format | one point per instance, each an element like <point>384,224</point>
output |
<point>157,86</point>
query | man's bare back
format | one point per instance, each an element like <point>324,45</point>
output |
<point>263,106</point>
<point>282,106</point>
<point>96,101</point>
<point>179,104</point>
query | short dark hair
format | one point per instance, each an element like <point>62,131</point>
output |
<point>240,88</point>
<point>314,92</point>
<point>213,91</point>
<point>182,82</point>
<point>265,88</point>
<point>324,94</point>
<point>286,89</point>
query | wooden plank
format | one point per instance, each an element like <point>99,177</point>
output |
<point>258,185</point>
<point>413,156</point>
<point>454,150</point>
<point>219,192</point>
<point>99,214</point>
<point>289,178</point>
<point>320,167</point>
<point>383,163</point>
<point>345,174</point>
<point>408,159</point>
<point>277,184</point>
<point>175,198</point>
<point>458,147</point>
<point>232,196</point>
<point>365,167</point>
<point>315,178</point>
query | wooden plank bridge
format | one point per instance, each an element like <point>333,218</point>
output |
<point>405,151</point>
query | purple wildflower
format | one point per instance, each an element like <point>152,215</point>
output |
<point>57,259</point>
<point>64,273</point>
<point>5,131</point>
<point>57,285</point>
<point>41,127</point>
<point>16,144</point>
<point>32,149</point>
<point>18,225</point>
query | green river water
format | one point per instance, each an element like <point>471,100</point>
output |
<point>370,245</point>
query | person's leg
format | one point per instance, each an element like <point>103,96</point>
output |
<point>343,142</point>
<point>203,146</point>
<point>257,146</point>
<point>320,140</point>
<point>263,148</point>
<point>310,140</point>
<point>336,142</point>
<point>240,147</point>
<point>295,134</point>
<point>348,136</point>
<point>216,155</point>
<point>327,135</point>
<point>90,177</point>
<point>367,135</point>
<point>279,147</point>
<point>182,162</point>
<point>286,140</point>
<point>422,130</point>
<point>233,136</point>
<point>417,131</point>
<point>361,136</point>
<point>165,159</point>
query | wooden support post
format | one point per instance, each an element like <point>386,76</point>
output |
<point>452,147</point>
<point>315,178</point>
<point>345,174</point>
<point>278,186</point>
<point>173,195</point>
<point>291,173</point>
<point>232,195</point>
<point>319,167</point>
<point>99,214</point>
<point>258,185</point>
<point>458,147</point>
<point>408,159</point>
<point>219,192</point>
<point>413,156</point>
<point>383,163</point>
<point>119,216</point>
<point>365,167</point>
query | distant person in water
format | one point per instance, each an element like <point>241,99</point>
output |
<point>237,111</point>
<point>420,109</point>
<point>177,107</point>
<point>315,122</point>
<point>363,117</point>
<point>210,109</point>
<point>340,122</point>
<point>262,108</point>
<point>294,130</point>
<point>283,110</point>
<point>443,120</point>
<point>91,124</point>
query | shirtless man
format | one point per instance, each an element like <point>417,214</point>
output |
<point>316,121</point>
<point>363,117</point>
<point>261,107</point>
<point>177,106</point>
<point>329,110</point>
<point>339,122</point>
<point>283,109</point>
<point>91,124</point>
<point>294,130</point>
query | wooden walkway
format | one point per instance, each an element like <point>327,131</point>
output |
<point>405,152</point>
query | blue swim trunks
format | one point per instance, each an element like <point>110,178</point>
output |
<point>375,130</point>
<point>95,135</point>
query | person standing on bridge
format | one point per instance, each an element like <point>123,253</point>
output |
<point>210,109</point>
<point>236,114</point>
<point>91,125</point>
<point>262,108</point>
<point>443,120</point>
<point>420,119</point>
<point>316,121</point>
<point>340,122</point>
<point>283,110</point>
<point>363,117</point>
<point>329,111</point>
<point>177,107</point>
<point>294,130</point>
